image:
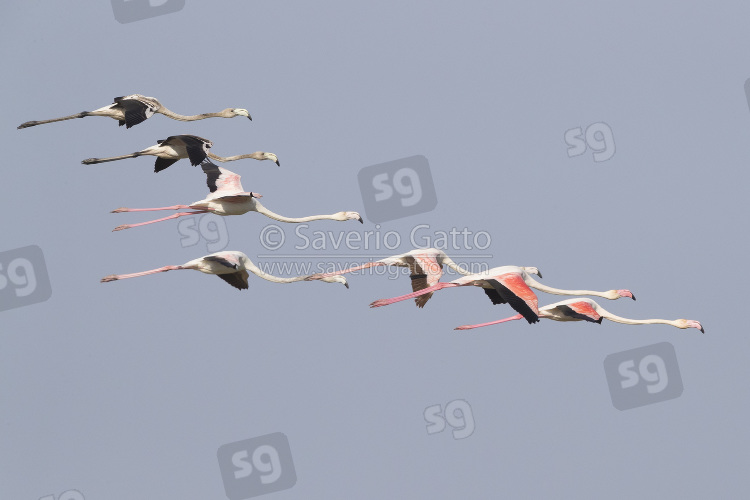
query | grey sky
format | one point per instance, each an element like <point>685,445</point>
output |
<point>126,390</point>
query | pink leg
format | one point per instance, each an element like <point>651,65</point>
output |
<point>433,288</point>
<point>469,327</point>
<point>113,277</point>
<point>180,214</point>
<point>173,207</point>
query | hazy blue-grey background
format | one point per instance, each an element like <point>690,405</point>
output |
<point>126,390</point>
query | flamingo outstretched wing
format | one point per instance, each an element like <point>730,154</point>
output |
<point>237,280</point>
<point>135,110</point>
<point>220,181</point>
<point>162,163</point>
<point>513,289</point>
<point>580,310</point>
<point>225,259</point>
<point>426,272</point>
<point>195,146</point>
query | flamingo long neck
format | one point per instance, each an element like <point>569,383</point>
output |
<point>556,291</point>
<point>191,118</point>
<point>254,156</point>
<point>627,321</point>
<point>270,277</point>
<point>449,262</point>
<point>263,210</point>
<point>357,268</point>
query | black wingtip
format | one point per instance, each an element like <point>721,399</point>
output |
<point>249,117</point>
<point>632,295</point>
<point>278,163</point>
<point>361,221</point>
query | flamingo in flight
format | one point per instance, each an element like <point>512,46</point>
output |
<point>176,147</point>
<point>579,309</point>
<point>133,109</point>
<point>425,268</point>
<point>227,197</point>
<point>506,284</point>
<point>231,266</point>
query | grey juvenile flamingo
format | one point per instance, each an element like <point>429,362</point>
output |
<point>135,108</point>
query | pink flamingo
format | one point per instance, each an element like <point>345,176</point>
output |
<point>425,268</point>
<point>511,285</point>
<point>503,285</point>
<point>133,109</point>
<point>176,147</point>
<point>588,310</point>
<point>227,197</point>
<point>231,266</point>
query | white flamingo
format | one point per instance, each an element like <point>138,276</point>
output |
<point>231,266</point>
<point>176,147</point>
<point>506,284</point>
<point>133,109</point>
<point>580,309</point>
<point>425,268</point>
<point>227,197</point>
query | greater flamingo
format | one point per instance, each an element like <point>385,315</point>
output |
<point>231,266</point>
<point>425,268</point>
<point>587,310</point>
<point>176,147</point>
<point>506,284</point>
<point>133,109</point>
<point>503,285</point>
<point>227,197</point>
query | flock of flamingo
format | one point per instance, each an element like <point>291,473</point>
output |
<point>510,285</point>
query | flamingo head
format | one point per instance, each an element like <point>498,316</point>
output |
<point>268,156</point>
<point>616,294</point>
<point>335,279</point>
<point>533,270</point>
<point>240,112</point>
<point>349,215</point>
<point>689,323</point>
